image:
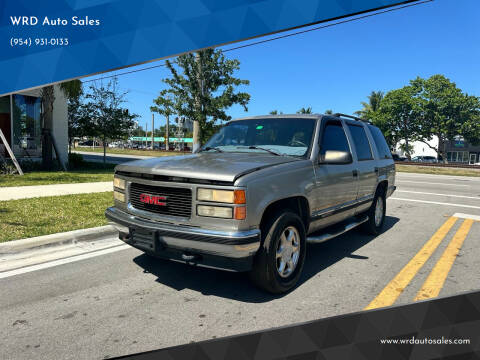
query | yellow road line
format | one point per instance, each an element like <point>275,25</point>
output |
<point>395,287</point>
<point>434,283</point>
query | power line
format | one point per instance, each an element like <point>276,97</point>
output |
<point>282,36</point>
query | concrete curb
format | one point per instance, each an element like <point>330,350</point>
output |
<point>69,237</point>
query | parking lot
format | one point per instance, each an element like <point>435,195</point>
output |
<point>103,301</point>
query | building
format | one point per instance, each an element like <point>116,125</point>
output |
<point>20,122</point>
<point>460,151</point>
<point>419,148</point>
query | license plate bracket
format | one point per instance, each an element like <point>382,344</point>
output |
<point>144,239</point>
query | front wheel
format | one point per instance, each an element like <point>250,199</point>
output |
<point>279,262</point>
<point>376,215</point>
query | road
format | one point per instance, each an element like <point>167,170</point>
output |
<point>110,158</point>
<point>113,300</point>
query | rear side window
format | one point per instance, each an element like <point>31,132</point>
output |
<point>380,143</point>
<point>361,142</point>
<point>334,138</point>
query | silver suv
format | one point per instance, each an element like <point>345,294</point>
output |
<point>256,193</point>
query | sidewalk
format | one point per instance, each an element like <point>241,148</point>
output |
<point>26,192</point>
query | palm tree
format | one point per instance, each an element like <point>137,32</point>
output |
<point>374,100</point>
<point>164,106</point>
<point>329,112</point>
<point>303,110</point>
<point>71,89</point>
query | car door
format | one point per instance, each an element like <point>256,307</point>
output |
<point>335,188</point>
<point>366,164</point>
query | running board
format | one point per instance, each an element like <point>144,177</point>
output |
<point>330,235</point>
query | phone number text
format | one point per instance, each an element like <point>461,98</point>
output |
<point>17,42</point>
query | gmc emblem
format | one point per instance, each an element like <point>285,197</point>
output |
<point>153,199</point>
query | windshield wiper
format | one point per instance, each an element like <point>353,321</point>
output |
<point>213,148</point>
<point>264,149</point>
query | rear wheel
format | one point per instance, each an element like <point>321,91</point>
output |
<point>279,262</point>
<point>376,214</point>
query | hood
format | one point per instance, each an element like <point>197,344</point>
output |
<point>206,166</point>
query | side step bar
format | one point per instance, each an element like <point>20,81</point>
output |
<point>336,232</point>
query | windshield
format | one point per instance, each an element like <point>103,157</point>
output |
<point>276,136</point>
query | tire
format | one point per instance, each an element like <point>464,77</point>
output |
<point>267,272</point>
<point>374,225</point>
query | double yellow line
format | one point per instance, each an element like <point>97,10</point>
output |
<point>434,283</point>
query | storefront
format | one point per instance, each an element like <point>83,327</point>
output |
<point>21,124</point>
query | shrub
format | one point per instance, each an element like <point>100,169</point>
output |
<point>75,161</point>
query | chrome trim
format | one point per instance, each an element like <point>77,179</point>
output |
<point>188,230</point>
<point>342,206</point>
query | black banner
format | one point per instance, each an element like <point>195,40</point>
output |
<point>443,328</point>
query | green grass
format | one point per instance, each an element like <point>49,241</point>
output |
<point>436,170</point>
<point>48,215</point>
<point>116,151</point>
<point>89,172</point>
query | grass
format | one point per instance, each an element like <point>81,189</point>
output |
<point>48,215</point>
<point>88,172</point>
<point>115,151</point>
<point>436,170</point>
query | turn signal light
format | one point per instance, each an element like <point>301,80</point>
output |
<point>239,197</point>
<point>240,213</point>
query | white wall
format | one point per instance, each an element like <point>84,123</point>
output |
<point>420,148</point>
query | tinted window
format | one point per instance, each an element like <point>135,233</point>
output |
<point>380,143</point>
<point>334,138</point>
<point>361,142</point>
<point>283,136</point>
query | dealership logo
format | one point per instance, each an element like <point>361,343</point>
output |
<point>153,199</point>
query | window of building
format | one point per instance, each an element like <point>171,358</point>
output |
<point>360,140</point>
<point>26,125</point>
<point>457,156</point>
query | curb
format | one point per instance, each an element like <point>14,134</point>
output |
<point>69,237</point>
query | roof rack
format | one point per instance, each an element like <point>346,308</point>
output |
<point>350,117</point>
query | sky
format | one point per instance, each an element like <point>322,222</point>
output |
<point>337,68</point>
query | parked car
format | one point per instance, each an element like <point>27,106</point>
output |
<point>296,179</point>
<point>397,157</point>
<point>425,159</point>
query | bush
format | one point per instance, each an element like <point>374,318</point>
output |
<point>75,161</point>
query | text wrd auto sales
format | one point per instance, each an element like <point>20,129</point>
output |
<point>46,21</point>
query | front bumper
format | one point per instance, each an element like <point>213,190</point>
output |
<point>218,249</point>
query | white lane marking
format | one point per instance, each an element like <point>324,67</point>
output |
<point>435,202</point>
<point>429,183</point>
<point>467,216</point>
<point>53,263</point>
<point>436,194</point>
<point>438,177</point>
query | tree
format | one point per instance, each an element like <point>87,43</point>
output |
<point>108,119</point>
<point>203,86</point>
<point>71,89</point>
<point>275,112</point>
<point>329,112</point>
<point>447,112</point>
<point>164,106</point>
<point>76,114</point>
<point>374,101</point>
<point>398,116</point>
<point>304,110</point>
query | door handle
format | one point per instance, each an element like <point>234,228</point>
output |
<point>355,173</point>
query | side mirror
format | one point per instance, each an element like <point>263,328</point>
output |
<point>336,157</point>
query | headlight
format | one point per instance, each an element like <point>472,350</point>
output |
<point>119,196</point>
<point>223,196</point>
<point>215,211</point>
<point>119,183</point>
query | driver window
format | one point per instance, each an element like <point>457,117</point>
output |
<point>334,138</point>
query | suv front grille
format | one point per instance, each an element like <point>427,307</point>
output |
<point>178,201</point>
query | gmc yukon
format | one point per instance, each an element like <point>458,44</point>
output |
<point>256,193</point>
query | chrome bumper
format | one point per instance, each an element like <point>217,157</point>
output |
<point>205,244</point>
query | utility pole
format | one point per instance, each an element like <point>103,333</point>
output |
<point>146,134</point>
<point>153,130</point>
<point>167,133</point>
<point>198,105</point>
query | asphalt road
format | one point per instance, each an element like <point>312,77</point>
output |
<point>113,300</point>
